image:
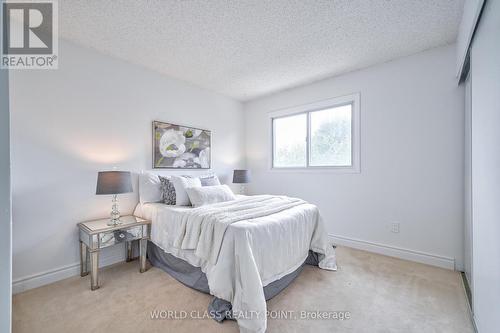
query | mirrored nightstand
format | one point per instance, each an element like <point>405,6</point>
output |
<point>96,235</point>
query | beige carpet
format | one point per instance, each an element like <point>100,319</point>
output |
<point>382,294</point>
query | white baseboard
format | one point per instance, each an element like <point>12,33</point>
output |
<point>392,251</point>
<point>40,279</point>
<point>64,272</point>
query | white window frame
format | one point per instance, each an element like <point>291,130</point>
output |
<point>354,100</point>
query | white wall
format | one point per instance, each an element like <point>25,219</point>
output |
<point>5,206</point>
<point>485,71</point>
<point>93,113</point>
<point>412,115</point>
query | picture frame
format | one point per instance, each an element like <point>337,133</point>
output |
<point>181,147</point>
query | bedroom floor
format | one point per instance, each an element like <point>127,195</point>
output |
<point>382,294</point>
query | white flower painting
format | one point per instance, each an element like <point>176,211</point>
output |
<point>181,147</point>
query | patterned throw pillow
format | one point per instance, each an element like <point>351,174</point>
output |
<point>167,191</point>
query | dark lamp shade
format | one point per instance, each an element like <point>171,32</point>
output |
<point>241,176</point>
<point>114,182</point>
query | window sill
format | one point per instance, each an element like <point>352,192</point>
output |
<point>334,170</point>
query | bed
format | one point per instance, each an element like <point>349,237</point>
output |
<point>242,252</point>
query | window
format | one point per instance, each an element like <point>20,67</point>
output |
<point>290,145</point>
<point>320,135</point>
<point>331,137</point>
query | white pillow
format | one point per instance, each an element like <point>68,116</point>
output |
<point>181,183</point>
<point>149,188</point>
<point>205,195</point>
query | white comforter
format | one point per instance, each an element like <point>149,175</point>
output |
<point>243,245</point>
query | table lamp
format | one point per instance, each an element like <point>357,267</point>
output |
<point>114,183</point>
<point>241,177</point>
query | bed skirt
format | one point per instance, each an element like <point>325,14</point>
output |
<point>193,277</point>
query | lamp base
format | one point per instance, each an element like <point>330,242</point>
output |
<point>113,222</point>
<point>243,189</point>
<point>115,214</point>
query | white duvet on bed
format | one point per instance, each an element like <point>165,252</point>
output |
<point>269,240</point>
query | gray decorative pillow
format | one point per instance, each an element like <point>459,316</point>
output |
<point>167,191</point>
<point>209,180</point>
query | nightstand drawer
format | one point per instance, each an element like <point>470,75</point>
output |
<point>118,236</point>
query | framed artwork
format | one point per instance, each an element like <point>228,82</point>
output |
<point>180,147</point>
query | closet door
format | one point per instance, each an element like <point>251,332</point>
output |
<point>485,96</point>
<point>468,184</point>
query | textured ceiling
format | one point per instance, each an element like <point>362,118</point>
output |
<point>246,49</point>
